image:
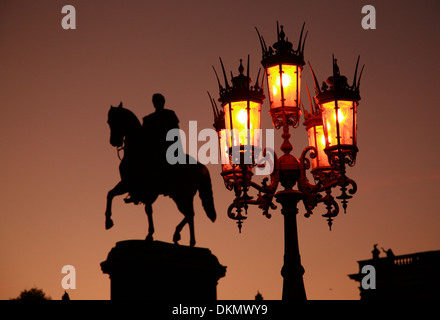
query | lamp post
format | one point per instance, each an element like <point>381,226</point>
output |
<point>331,126</point>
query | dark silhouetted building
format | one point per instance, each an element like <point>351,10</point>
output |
<point>405,277</point>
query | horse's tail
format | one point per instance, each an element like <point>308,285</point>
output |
<point>205,193</point>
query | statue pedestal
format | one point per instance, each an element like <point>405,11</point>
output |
<point>141,270</point>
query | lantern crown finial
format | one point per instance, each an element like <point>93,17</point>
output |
<point>337,87</point>
<point>241,80</point>
<point>241,87</point>
<point>337,81</point>
<point>282,51</point>
<point>241,68</point>
<point>281,34</point>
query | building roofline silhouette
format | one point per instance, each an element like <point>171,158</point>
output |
<point>403,277</point>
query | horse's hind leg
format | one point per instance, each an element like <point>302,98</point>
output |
<point>192,241</point>
<point>149,212</point>
<point>116,191</point>
<point>189,215</point>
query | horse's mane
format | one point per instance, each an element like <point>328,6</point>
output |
<point>132,116</point>
<point>129,115</point>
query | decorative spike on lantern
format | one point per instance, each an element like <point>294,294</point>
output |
<point>220,87</point>
<point>314,79</point>
<point>300,37</point>
<point>360,76</point>
<point>355,72</point>
<point>304,43</point>
<point>224,74</point>
<point>257,86</point>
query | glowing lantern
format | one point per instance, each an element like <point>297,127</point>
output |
<point>338,102</point>
<point>340,125</point>
<point>231,174</point>
<point>283,68</point>
<point>242,111</point>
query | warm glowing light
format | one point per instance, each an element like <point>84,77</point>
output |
<point>340,116</point>
<point>242,116</point>
<point>317,140</point>
<point>286,80</point>
<point>322,140</point>
<point>343,125</point>
<point>241,134</point>
<point>329,139</point>
<point>285,85</point>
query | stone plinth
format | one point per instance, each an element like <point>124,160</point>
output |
<point>141,270</point>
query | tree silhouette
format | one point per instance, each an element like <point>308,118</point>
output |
<point>259,296</point>
<point>34,294</point>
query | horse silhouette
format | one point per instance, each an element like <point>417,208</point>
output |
<point>144,182</point>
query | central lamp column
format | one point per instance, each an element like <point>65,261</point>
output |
<point>292,271</point>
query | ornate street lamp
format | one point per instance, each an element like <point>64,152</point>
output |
<point>331,126</point>
<point>230,172</point>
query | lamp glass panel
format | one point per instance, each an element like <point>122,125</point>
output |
<point>317,140</point>
<point>286,86</point>
<point>224,151</point>
<point>345,118</point>
<point>237,111</point>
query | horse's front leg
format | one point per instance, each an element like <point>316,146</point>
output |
<point>119,189</point>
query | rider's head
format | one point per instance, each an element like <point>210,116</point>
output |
<point>158,101</point>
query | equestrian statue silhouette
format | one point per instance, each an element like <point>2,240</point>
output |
<point>144,172</point>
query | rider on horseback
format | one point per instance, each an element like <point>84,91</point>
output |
<point>156,126</point>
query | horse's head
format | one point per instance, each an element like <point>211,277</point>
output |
<point>122,123</point>
<point>116,125</point>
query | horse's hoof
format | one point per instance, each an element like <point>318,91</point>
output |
<point>176,238</point>
<point>108,223</point>
<point>192,244</point>
<point>149,238</point>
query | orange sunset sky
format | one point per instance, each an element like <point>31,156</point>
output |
<point>57,165</point>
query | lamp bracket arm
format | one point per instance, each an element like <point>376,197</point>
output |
<point>304,184</point>
<point>331,205</point>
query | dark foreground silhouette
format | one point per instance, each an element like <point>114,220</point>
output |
<point>161,271</point>
<point>145,179</point>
